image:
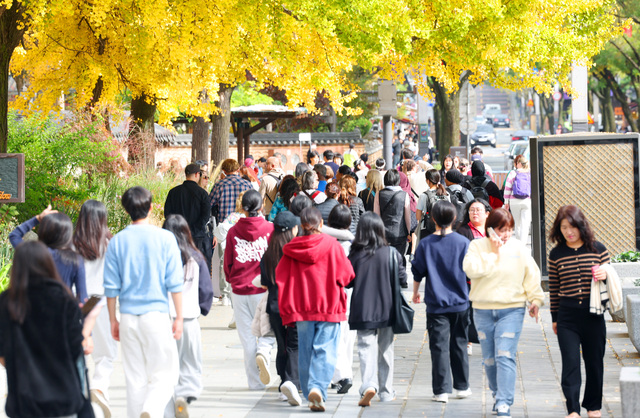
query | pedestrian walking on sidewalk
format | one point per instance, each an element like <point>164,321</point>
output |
<point>142,268</point>
<point>371,306</point>
<point>41,340</point>
<point>90,239</point>
<point>56,232</point>
<point>438,260</point>
<point>517,197</point>
<point>311,276</point>
<point>197,295</point>
<point>285,227</point>
<point>570,275</point>
<point>504,278</point>
<point>247,241</point>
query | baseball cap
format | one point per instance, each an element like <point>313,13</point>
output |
<point>285,221</point>
<point>191,169</point>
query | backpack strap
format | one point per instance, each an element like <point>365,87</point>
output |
<point>277,180</point>
<point>485,182</point>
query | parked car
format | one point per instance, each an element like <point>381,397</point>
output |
<point>480,119</point>
<point>484,135</point>
<point>515,148</point>
<point>522,135</point>
<point>501,119</point>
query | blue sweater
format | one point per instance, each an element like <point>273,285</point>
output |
<point>142,265</point>
<point>439,259</point>
<point>72,275</point>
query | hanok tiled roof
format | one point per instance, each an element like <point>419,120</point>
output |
<point>281,139</point>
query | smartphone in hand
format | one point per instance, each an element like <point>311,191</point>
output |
<point>494,234</point>
<point>90,304</point>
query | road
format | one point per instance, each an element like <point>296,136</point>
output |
<point>495,156</point>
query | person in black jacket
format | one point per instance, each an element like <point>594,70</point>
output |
<point>482,187</point>
<point>192,202</point>
<point>41,338</point>
<point>371,305</point>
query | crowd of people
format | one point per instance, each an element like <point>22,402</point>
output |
<point>307,261</point>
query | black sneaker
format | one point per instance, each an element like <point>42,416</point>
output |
<point>344,385</point>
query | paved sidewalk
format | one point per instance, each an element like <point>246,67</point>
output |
<point>538,392</point>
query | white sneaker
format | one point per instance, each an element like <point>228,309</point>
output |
<point>263,365</point>
<point>469,349</point>
<point>443,397</point>
<point>98,398</point>
<point>282,397</point>
<point>182,408</point>
<point>290,391</point>
<point>225,301</point>
<point>316,403</point>
<point>461,394</point>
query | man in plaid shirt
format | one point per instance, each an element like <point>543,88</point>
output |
<point>225,192</point>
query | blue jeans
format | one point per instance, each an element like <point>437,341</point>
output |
<point>317,354</point>
<point>499,332</point>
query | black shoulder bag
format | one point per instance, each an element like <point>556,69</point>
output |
<point>402,313</point>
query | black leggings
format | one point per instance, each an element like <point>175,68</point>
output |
<point>287,356</point>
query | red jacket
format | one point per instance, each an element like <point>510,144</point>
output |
<point>311,276</point>
<point>247,241</point>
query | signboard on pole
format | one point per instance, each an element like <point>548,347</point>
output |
<point>11,178</point>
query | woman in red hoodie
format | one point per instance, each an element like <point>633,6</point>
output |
<point>247,241</point>
<point>311,276</point>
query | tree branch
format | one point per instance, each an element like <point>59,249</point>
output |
<point>628,58</point>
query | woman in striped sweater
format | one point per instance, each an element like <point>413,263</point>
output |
<point>570,275</point>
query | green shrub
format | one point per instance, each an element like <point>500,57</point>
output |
<point>61,162</point>
<point>361,123</point>
<point>626,257</point>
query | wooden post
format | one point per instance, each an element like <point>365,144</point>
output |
<point>240,140</point>
<point>247,147</point>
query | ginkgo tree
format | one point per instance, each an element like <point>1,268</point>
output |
<point>167,53</point>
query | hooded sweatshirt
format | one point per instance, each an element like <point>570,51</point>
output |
<point>247,241</point>
<point>311,276</point>
<point>478,177</point>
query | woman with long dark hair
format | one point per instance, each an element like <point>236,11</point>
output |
<point>570,275</point>
<point>288,189</point>
<point>90,239</point>
<point>435,193</point>
<point>56,232</point>
<point>285,227</point>
<point>311,276</point>
<point>371,305</point>
<point>447,164</point>
<point>438,260</point>
<point>246,242</point>
<point>41,338</point>
<point>197,295</point>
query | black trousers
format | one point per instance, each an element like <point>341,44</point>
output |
<point>579,328</point>
<point>287,355</point>
<point>448,345</point>
<point>205,245</point>
<point>399,244</point>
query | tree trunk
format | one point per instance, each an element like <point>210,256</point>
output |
<point>200,137</point>
<point>5,57</point>
<point>608,114</point>
<point>220,125</point>
<point>449,105</point>
<point>10,37</point>
<point>142,138</point>
<point>200,140</point>
<point>546,103</point>
<point>621,96</point>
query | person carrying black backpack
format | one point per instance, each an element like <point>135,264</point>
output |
<point>435,193</point>
<point>482,187</point>
<point>458,195</point>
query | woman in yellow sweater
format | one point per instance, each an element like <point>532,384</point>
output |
<point>504,277</point>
